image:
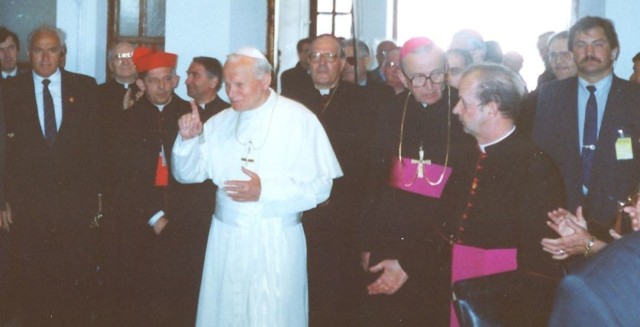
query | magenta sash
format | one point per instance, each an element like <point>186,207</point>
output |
<point>468,262</point>
<point>420,177</point>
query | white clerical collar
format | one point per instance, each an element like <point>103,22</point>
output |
<point>12,73</point>
<point>124,84</point>
<point>161,106</point>
<point>483,146</point>
<point>326,91</point>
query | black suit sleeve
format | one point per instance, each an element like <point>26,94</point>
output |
<point>544,192</point>
<point>2,150</point>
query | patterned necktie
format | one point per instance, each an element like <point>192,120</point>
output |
<point>589,136</point>
<point>50,129</point>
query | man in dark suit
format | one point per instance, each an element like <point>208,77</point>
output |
<point>376,75</point>
<point>186,236</point>
<point>5,221</point>
<point>52,151</point>
<point>603,292</point>
<point>297,77</point>
<point>204,80</point>
<point>112,92</point>
<point>112,106</point>
<point>159,263</point>
<point>543,50</point>
<point>9,50</point>
<point>330,228</point>
<point>590,125</point>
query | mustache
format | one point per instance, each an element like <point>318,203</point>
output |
<point>592,58</point>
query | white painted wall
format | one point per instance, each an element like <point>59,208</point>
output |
<point>624,14</point>
<point>197,28</point>
<point>294,25</point>
<point>212,28</point>
<point>85,23</point>
<point>374,19</point>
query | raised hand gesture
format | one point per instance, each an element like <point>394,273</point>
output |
<point>190,124</point>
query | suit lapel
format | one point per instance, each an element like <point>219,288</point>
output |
<point>68,101</point>
<point>569,108</point>
<point>612,121</point>
<point>31,109</point>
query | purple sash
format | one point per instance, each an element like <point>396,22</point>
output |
<point>468,262</point>
<point>418,176</point>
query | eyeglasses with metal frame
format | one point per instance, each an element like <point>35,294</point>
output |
<point>330,57</point>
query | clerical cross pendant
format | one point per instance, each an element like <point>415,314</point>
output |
<point>247,159</point>
<point>421,162</point>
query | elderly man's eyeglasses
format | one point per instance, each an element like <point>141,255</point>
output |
<point>562,55</point>
<point>123,56</point>
<point>419,80</point>
<point>330,57</point>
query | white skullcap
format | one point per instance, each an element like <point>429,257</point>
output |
<point>250,52</point>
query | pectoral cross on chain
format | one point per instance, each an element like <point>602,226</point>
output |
<point>247,159</point>
<point>421,162</point>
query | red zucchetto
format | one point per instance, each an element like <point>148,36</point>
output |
<point>413,44</point>
<point>146,59</point>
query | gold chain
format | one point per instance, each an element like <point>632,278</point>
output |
<point>250,143</point>
<point>446,159</point>
<point>326,105</point>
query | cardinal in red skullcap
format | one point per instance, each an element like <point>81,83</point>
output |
<point>146,59</point>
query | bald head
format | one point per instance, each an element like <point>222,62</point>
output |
<point>120,62</point>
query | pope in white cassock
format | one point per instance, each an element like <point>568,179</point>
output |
<point>271,159</point>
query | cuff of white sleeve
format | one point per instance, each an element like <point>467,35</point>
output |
<point>154,219</point>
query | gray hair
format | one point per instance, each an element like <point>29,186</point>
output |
<point>362,48</point>
<point>261,66</point>
<point>52,29</point>
<point>498,84</point>
<point>559,35</point>
<point>332,37</point>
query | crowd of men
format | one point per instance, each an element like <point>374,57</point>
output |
<point>352,198</point>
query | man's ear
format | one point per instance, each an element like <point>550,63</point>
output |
<point>266,81</point>
<point>492,109</point>
<point>213,82</point>
<point>176,81</point>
